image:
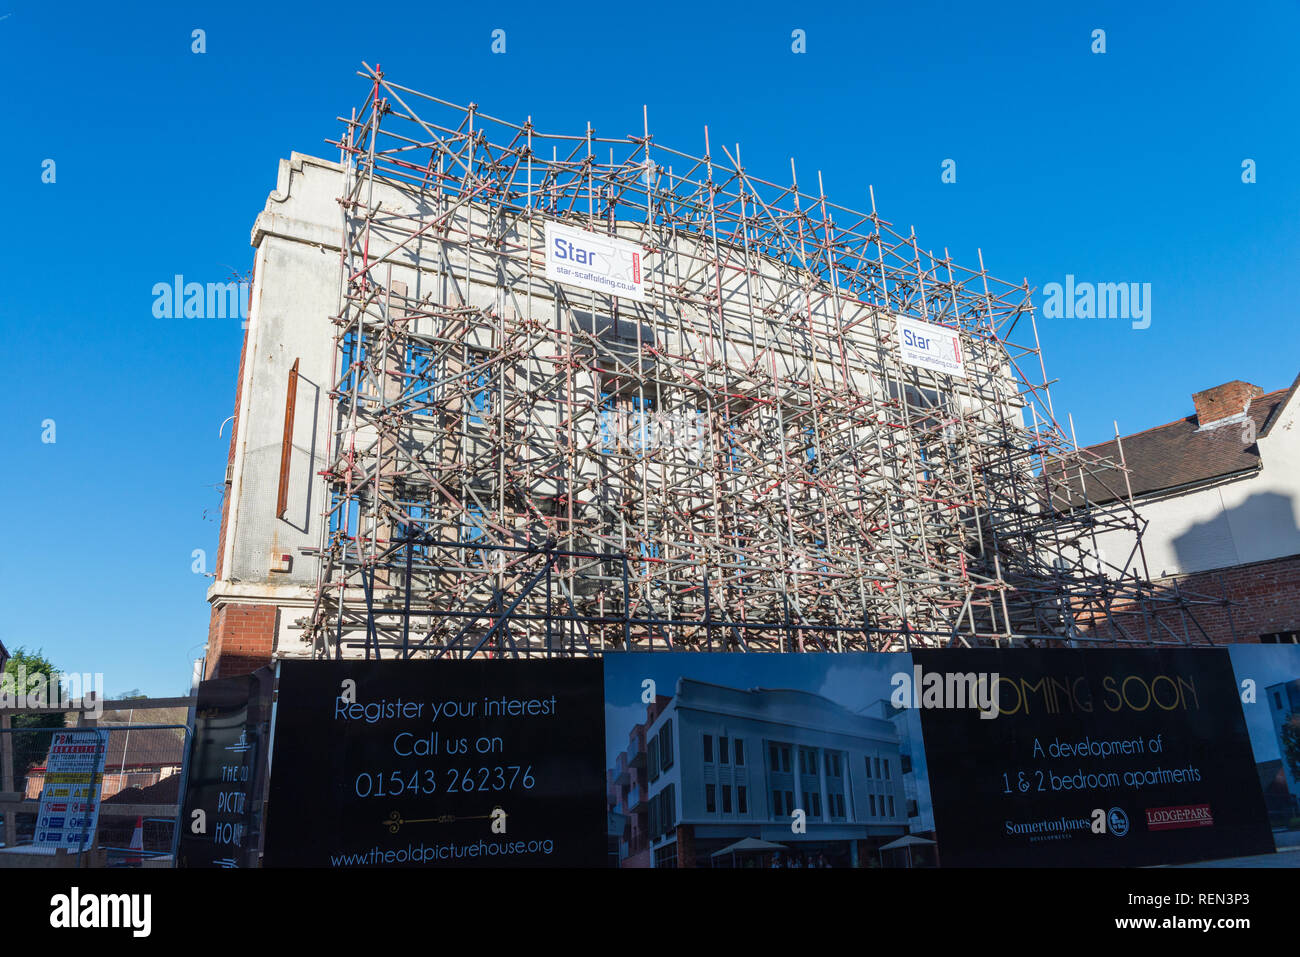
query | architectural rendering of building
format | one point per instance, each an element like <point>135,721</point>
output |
<point>1283,700</point>
<point>762,777</point>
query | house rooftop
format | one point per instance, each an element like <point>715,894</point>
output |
<point>1207,445</point>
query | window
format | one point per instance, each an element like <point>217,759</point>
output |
<point>652,758</point>
<point>778,809</point>
<point>833,764</point>
<point>472,529</point>
<point>1280,638</point>
<point>789,801</point>
<point>891,805</point>
<point>627,423</point>
<point>807,761</point>
<point>816,804</point>
<point>887,774</point>
<point>740,752</point>
<point>868,765</point>
<point>872,799</point>
<point>708,749</point>
<point>780,755</point>
<point>723,756</point>
<point>667,809</point>
<point>726,799</point>
<point>479,387</point>
<point>742,801</point>
<point>1277,700</point>
<point>837,805</point>
<point>878,774</point>
<point>709,805</point>
<point>666,745</point>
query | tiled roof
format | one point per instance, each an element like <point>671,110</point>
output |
<point>1180,453</point>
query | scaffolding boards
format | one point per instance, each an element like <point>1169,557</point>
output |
<point>721,430</point>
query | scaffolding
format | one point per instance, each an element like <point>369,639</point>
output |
<point>742,461</point>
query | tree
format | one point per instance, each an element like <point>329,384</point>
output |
<point>30,749</point>
<point>1291,743</point>
<point>130,695</point>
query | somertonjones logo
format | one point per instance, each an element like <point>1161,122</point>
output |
<point>1050,829</point>
<point>76,910</point>
<point>946,689</point>
<point>1114,822</point>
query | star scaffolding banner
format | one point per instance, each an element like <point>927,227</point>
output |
<point>594,261</point>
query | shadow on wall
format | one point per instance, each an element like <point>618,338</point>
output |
<point>1260,528</point>
<point>310,392</point>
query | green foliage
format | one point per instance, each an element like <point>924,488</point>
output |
<point>1291,743</point>
<point>30,749</point>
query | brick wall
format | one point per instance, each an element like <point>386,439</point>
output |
<point>240,639</point>
<point>1265,598</point>
<point>685,845</point>
<point>1223,401</point>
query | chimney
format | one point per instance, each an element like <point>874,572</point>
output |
<point>1223,401</point>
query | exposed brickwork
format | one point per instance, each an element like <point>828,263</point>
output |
<point>240,639</point>
<point>685,845</point>
<point>1265,598</point>
<point>1223,401</point>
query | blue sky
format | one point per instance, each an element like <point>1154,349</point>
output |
<point>1122,166</point>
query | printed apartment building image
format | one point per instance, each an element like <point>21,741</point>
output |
<point>714,775</point>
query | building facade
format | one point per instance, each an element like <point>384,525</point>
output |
<point>1219,493</point>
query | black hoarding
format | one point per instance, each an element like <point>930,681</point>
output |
<point>226,775</point>
<point>1117,758</point>
<point>438,763</point>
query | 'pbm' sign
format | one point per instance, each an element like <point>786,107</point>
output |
<point>594,261</point>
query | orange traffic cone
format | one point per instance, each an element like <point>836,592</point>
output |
<point>137,843</point>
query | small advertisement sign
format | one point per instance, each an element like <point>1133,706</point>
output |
<point>69,807</point>
<point>594,261</point>
<point>930,347</point>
